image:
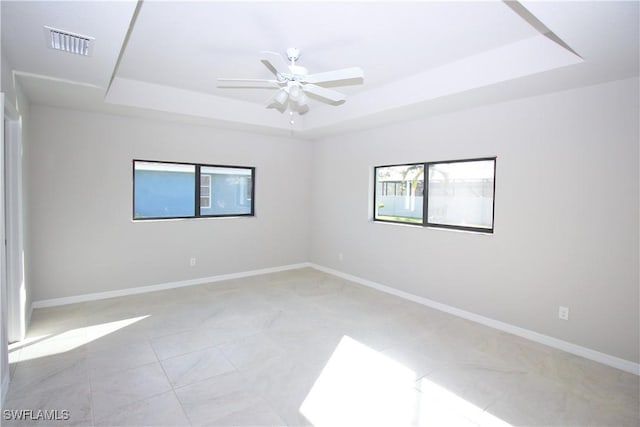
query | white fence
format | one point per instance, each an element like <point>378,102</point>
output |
<point>458,209</point>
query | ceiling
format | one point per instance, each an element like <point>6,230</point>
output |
<point>161,59</point>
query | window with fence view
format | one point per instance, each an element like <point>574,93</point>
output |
<point>459,194</point>
<point>399,193</point>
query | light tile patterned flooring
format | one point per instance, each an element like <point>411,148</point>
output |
<point>299,348</point>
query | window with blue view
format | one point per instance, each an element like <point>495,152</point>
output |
<point>228,191</point>
<point>178,190</point>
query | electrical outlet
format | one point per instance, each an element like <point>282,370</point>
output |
<point>563,313</point>
<point>340,257</point>
<point>192,262</point>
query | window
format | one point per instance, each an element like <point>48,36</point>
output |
<point>163,190</point>
<point>459,194</point>
<point>181,190</point>
<point>399,193</point>
<point>230,191</point>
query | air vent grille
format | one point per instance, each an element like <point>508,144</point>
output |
<point>69,42</point>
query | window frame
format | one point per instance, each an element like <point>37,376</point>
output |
<point>425,198</point>
<point>197,190</point>
<point>395,193</point>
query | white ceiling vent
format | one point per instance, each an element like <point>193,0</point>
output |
<point>68,42</point>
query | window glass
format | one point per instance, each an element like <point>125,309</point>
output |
<point>163,190</point>
<point>230,190</point>
<point>461,194</point>
<point>399,193</point>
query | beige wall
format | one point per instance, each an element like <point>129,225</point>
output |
<point>566,214</point>
<point>82,237</point>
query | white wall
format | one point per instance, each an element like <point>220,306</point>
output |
<point>82,238</point>
<point>16,107</point>
<point>21,274</point>
<point>6,80</point>
<point>566,214</point>
<point>4,351</point>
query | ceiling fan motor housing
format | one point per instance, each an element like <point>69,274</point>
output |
<point>293,54</point>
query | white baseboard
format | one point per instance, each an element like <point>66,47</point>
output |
<point>161,287</point>
<point>587,353</point>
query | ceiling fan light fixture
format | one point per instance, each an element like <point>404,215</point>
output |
<point>294,91</point>
<point>302,99</point>
<point>281,97</point>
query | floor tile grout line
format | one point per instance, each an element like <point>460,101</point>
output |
<point>133,402</point>
<point>259,395</point>
<point>129,403</point>
<point>93,412</point>
<point>173,389</point>
<point>220,344</point>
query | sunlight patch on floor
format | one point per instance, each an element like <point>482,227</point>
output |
<point>360,386</point>
<point>18,345</point>
<point>439,406</point>
<point>48,345</point>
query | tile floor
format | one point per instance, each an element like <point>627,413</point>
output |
<point>299,348</point>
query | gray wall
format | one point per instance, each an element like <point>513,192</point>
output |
<point>566,214</point>
<point>82,237</point>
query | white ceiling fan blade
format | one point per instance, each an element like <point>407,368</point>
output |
<point>332,76</point>
<point>322,92</point>
<point>274,62</point>
<point>249,82</point>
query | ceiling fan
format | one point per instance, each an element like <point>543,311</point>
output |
<point>294,82</point>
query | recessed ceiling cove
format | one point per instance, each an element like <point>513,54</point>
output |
<point>412,58</point>
<point>411,51</point>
